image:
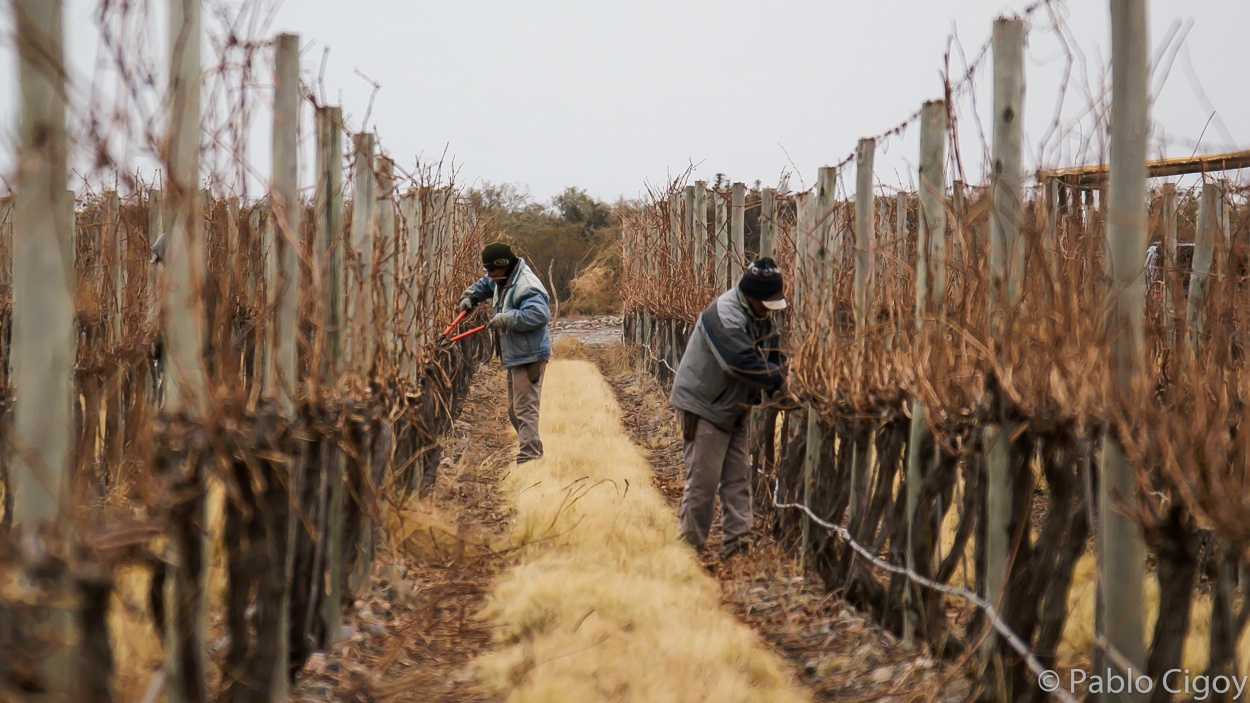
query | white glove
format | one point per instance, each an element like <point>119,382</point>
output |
<point>499,321</point>
<point>466,304</point>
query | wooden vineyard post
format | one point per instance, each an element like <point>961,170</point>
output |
<point>1166,263</point>
<point>816,242</point>
<point>1052,232</point>
<point>360,299</point>
<point>410,268</point>
<point>1121,549</point>
<point>698,231</point>
<point>185,383</point>
<point>1006,459</point>
<point>359,318</point>
<point>330,258</point>
<point>675,221</point>
<point>1210,219</point>
<point>737,232</point>
<point>930,292</point>
<point>184,253</point>
<point>112,301</point>
<point>768,216</point>
<point>386,254</point>
<point>282,377</point>
<point>42,273</point>
<point>865,273</point>
<point>284,269</point>
<point>900,228</point>
<point>42,353</point>
<point>720,239</point>
<point>449,218</point>
<point>865,234</point>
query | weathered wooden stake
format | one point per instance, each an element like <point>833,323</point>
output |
<point>930,293</point>
<point>410,207</point>
<point>1210,218</point>
<point>42,354</point>
<point>283,248</point>
<point>675,221</point>
<point>1121,550</point>
<point>387,258</point>
<point>697,216</point>
<point>330,259</point>
<point>1006,273</point>
<point>282,380</point>
<point>43,272</point>
<point>360,312</point>
<point>865,236</point>
<point>737,231</point>
<point>768,215</point>
<point>185,384</point>
<point>360,259</point>
<point>813,241</point>
<point>1051,244</point>
<point>821,245</point>
<point>1167,263</point>
<point>720,241</point>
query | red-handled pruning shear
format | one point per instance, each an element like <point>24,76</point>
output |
<point>447,341</point>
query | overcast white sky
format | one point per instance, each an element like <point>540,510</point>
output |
<point>611,95</point>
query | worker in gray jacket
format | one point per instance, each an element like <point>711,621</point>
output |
<point>520,316</point>
<point>731,361</point>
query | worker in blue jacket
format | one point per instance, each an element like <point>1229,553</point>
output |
<point>520,318</point>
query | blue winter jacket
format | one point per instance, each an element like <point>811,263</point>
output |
<point>523,299</point>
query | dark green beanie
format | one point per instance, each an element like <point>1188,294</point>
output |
<point>497,255</point>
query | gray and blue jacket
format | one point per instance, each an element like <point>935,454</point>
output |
<point>731,359</point>
<point>523,299</point>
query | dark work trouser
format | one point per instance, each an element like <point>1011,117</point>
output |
<point>716,462</point>
<point>525,387</point>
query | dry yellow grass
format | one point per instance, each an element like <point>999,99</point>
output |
<point>605,603</point>
<point>569,348</point>
<point>422,530</point>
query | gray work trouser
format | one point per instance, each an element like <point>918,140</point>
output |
<point>716,462</point>
<point>525,387</point>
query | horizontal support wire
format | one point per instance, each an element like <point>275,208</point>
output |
<point>991,612</point>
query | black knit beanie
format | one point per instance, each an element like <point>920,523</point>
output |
<point>498,255</point>
<point>761,281</point>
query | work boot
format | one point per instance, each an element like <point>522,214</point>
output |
<point>742,546</point>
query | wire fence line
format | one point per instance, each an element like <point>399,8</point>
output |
<point>991,612</point>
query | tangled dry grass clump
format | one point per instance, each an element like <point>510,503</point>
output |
<point>594,290</point>
<point>605,601</point>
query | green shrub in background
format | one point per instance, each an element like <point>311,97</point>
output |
<point>573,243</point>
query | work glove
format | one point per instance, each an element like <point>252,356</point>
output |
<point>467,304</point>
<point>499,321</point>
